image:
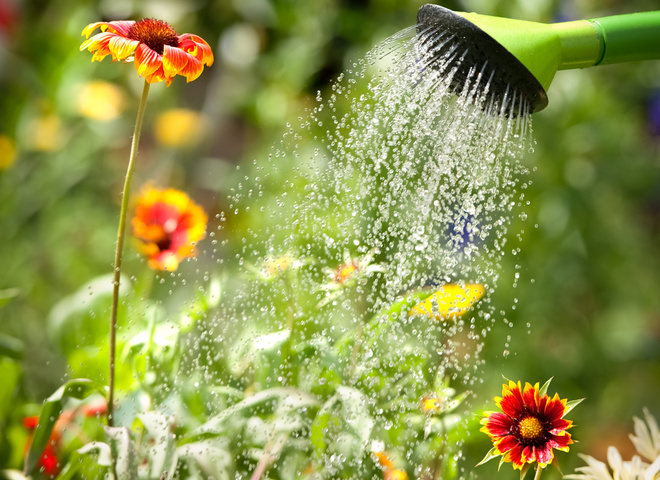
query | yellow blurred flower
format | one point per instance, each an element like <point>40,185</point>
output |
<point>431,404</point>
<point>451,301</point>
<point>179,127</point>
<point>396,474</point>
<point>44,133</point>
<point>7,152</point>
<point>100,100</point>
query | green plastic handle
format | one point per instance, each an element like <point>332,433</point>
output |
<point>629,38</point>
<point>545,48</point>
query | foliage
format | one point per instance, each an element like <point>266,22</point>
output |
<point>201,397</point>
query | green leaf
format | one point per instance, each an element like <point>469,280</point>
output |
<point>345,414</point>
<point>161,448</point>
<point>95,456</point>
<point>492,453</point>
<point>11,347</point>
<point>263,403</point>
<point>382,320</point>
<point>50,412</point>
<point>71,322</point>
<point>123,449</point>
<point>212,457</point>
<point>544,388</point>
<point>572,404</point>
<point>555,463</point>
<point>8,295</point>
<point>9,380</point>
<point>320,426</point>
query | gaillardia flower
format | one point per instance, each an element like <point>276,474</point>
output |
<point>529,427</point>
<point>169,224</point>
<point>152,45</point>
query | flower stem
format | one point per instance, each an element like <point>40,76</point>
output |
<point>539,469</point>
<point>289,374</point>
<point>121,231</point>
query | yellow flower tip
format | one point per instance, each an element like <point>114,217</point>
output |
<point>451,301</point>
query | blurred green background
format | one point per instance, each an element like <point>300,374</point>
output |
<point>586,306</point>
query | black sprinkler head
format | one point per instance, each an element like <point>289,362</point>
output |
<point>446,33</point>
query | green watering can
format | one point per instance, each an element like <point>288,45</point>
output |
<point>520,58</point>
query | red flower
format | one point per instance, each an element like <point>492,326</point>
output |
<point>169,224</point>
<point>49,462</point>
<point>529,427</point>
<point>96,408</point>
<point>152,45</point>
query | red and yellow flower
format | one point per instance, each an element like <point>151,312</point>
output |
<point>152,45</point>
<point>529,427</point>
<point>169,224</point>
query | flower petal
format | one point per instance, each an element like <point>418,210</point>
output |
<point>531,397</point>
<point>197,47</point>
<point>498,425</point>
<point>122,47</point>
<point>98,44</point>
<point>515,455</point>
<point>178,62</point>
<point>174,60</point>
<point>506,444</point>
<point>147,61</point>
<point>120,27</point>
<point>511,402</point>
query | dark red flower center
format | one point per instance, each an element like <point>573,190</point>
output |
<point>530,427</point>
<point>155,34</point>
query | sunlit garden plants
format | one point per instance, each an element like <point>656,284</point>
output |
<point>163,382</point>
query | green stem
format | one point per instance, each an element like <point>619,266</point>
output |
<point>121,231</point>
<point>288,370</point>
<point>537,475</point>
<point>359,336</point>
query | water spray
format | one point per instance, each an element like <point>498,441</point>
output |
<point>520,58</point>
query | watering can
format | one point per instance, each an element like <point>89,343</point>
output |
<point>523,57</point>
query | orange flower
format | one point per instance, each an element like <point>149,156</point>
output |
<point>152,45</point>
<point>169,224</point>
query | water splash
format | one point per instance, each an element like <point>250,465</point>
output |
<point>414,187</point>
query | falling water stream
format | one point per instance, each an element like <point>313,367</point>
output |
<point>412,189</point>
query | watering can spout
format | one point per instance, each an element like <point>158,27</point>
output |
<point>524,56</point>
